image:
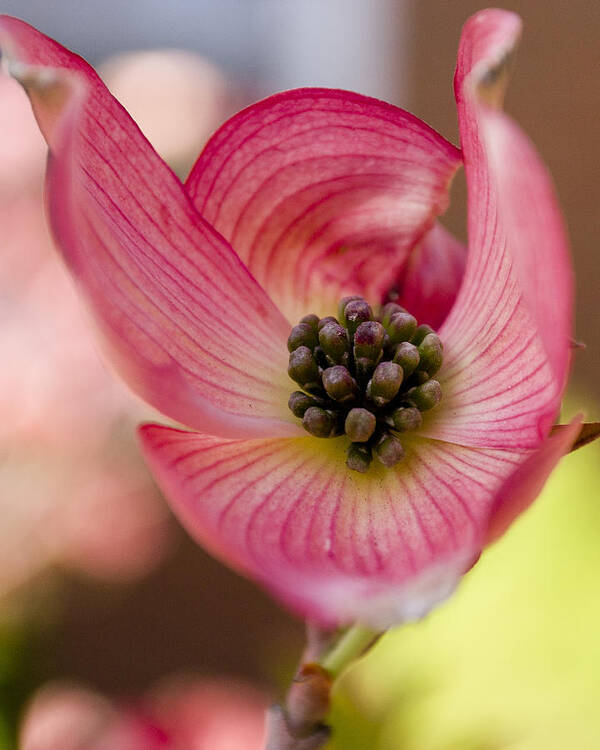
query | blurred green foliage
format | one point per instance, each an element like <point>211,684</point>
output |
<point>19,673</point>
<point>513,659</point>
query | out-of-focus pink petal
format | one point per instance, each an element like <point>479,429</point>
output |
<point>335,545</point>
<point>65,717</point>
<point>194,99</point>
<point>115,527</point>
<point>507,337</point>
<point>79,509</point>
<point>432,277</point>
<point>322,193</point>
<point>183,714</point>
<point>210,715</point>
<point>188,326</point>
<point>524,485</point>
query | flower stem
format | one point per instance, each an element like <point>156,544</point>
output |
<point>300,724</point>
<point>353,643</point>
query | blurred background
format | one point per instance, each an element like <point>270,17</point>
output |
<point>116,632</point>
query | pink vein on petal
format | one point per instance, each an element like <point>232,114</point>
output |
<point>288,513</point>
<point>264,167</point>
<point>512,258</point>
<point>186,324</point>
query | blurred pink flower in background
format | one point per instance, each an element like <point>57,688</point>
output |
<point>182,714</point>
<point>72,487</point>
<point>177,98</point>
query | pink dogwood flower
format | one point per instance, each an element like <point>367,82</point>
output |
<point>178,714</point>
<point>298,200</point>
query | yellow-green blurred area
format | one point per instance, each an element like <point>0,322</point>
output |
<point>513,659</point>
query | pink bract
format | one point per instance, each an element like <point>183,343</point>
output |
<point>296,201</point>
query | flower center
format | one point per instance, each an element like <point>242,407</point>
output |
<point>366,376</point>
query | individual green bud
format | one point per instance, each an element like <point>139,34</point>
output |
<point>389,450</point>
<point>368,341</point>
<point>356,312</point>
<point>420,334</point>
<point>359,457</point>
<point>401,327</point>
<point>339,384</point>
<point>334,342</point>
<point>320,422</point>
<point>406,419</point>
<point>342,305</point>
<point>323,321</point>
<point>302,335</point>
<point>431,354</point>
<point>407,356</point>
<point>368,349</point>
<point>303,367</point>
<point>299,402</point>
<point>425,396</point>
<point>360,425</point>
<point>385,383</point>
<point>312,320</point>
<point>388,310</point>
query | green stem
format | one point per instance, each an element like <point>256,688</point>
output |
<point>350,646</point>
<point>301,724</point>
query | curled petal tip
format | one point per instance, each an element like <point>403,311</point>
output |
<point>488,41</point>
<point>589,432</point>
<point>54,94</point>
<point>522,487</point>
<point>511,322</point>
<point>28,75</point>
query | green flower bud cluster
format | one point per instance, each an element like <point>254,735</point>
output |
<point>365,376</point>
